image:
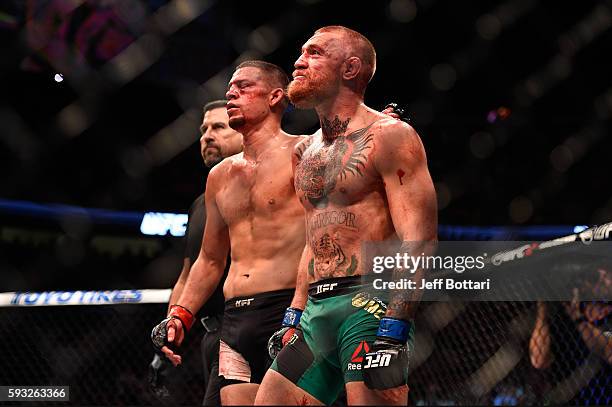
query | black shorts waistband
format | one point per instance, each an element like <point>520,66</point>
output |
<point>331,287</point>
<point>259,300</point>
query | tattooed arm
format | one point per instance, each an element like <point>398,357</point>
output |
<point>301,284</point>
<point>400,160</point>
<point>292,316</point>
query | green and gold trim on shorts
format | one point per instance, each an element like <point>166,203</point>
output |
<point>337,328</point>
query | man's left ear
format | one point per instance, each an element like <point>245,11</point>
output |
<point>276,96</point>
<point>352,67</point>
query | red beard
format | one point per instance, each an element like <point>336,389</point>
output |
<point>306,93</point>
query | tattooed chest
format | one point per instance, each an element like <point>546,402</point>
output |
<point>317,175</point>
<point>327,170</point>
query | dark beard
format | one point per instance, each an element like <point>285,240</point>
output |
<point>210,160</point>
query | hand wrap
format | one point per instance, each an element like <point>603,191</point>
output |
<point>283,335</point>
<point>159,334</point>
<point>182,314</point>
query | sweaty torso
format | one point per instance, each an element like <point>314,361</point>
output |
<point>257,201</point>
<point>345,201</point>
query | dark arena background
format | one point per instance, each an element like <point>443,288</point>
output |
<point>100,106</point>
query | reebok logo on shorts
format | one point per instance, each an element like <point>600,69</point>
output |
<point>357,357</point>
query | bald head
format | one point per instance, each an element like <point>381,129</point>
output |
<point>358,46</point>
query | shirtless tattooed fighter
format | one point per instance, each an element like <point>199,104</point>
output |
<point>316,178</point>
<point>362,177</point>
<point>253,210</point>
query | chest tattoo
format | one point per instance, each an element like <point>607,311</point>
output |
<point>317,174</point>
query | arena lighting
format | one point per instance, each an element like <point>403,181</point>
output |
<point>77,117</point>
<point>161,223</point>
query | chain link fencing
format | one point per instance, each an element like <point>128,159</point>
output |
<point>465,353</point>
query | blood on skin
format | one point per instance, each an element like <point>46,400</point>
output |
<point>400,174</point>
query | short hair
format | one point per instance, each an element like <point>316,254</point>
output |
<point>215,104</point>
<point>361,47</point>
<point>275,74</point>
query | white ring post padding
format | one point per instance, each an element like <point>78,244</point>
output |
<point>105,297</point>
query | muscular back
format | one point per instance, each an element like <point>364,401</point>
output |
<point>345,197</point>
<point>257,202</point>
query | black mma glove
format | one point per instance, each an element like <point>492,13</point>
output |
<point>386,365</point>
<point>401,112</point>
<point>283,335</point>
<point>159,334</point>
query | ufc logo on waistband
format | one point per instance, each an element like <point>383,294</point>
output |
<point>243,303</point>
<point>377,360</point>
<point>325,287</point>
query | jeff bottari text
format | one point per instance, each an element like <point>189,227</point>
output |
<point>434,284</point>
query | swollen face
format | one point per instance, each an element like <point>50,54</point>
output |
<point>247,97</point>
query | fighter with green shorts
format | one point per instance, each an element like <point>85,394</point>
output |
<point>332,344</point>
<point>361,179</point>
